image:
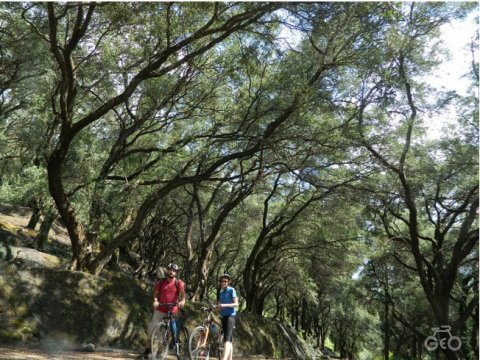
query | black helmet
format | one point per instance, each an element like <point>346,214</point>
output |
<point>172,266</point>
<point>225,276</point>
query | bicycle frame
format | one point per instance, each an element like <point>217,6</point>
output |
<point>169,319</point>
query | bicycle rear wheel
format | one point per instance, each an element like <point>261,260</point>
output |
<point>198,344</point>
<point>159,341</point>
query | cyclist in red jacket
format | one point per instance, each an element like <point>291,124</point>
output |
<point>166,290</point>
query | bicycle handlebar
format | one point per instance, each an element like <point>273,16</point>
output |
<point>209,308</point>
<point>168,304</point>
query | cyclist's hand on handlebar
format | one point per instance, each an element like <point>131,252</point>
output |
<point>157,304</point>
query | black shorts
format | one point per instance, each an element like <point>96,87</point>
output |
<point>228,326</point>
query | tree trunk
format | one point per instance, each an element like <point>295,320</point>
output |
<point>204,262</point>
<point>188,245</point>
<point>277,307</point>
<point>386,324</point>
<point>323,337</point>
<point>254,301</point>
<point>65,208</point>
<point>413,347</point>
<point>474,334</point>
<point>42,237</point>
<point>249,272</point>
<point>32,223</point>
<point>419,347</point>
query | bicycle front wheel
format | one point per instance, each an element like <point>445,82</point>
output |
<point>159,341</point>
<point>182,350</point>
<point>217,345</point>
<point>198,344</point>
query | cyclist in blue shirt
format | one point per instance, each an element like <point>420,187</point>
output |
<point>227,303</point>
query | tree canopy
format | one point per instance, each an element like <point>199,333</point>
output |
<point>283,143</point>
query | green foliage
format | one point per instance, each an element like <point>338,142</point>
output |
<point>28,184</point>
<point>191,131</point>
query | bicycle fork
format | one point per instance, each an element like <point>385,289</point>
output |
<point>207,330</point>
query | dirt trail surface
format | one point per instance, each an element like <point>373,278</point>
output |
<point>27,353</point>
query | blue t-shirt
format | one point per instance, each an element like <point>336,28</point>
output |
<point>226,297</point>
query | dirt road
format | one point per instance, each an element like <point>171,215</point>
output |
<point>24,353</point>
<point>28,353</point>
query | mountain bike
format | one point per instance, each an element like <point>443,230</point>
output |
<point>206,340</point>
<point>169,333</point>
